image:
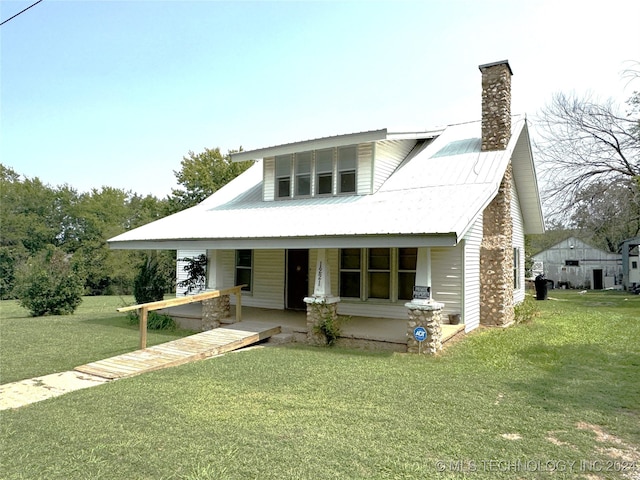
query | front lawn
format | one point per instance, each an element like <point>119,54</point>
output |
<point>35,346</point>
<point>557,398</point>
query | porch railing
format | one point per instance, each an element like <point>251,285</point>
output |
<point>145,308</point>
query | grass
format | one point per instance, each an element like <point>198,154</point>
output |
<point>563,388</point>
<point>35,346</point>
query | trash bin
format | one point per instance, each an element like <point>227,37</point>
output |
<point>541,287</point>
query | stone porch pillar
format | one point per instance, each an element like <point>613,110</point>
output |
<point>322,305</point>
<point>214,310</point>
<point>429,316</point>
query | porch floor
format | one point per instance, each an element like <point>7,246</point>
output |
<point>388,332</point>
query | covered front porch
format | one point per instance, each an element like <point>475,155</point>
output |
<point>357,331</point>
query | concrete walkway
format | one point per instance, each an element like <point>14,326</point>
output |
<point>24,392</point>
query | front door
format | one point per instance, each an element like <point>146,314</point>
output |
<point>297,279</point>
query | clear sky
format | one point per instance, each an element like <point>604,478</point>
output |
<point>115,93</point>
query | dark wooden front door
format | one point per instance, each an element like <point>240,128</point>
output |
<point>297,279</point>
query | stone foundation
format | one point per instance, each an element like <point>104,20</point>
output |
<point>317,311</point>
<point>428,316</point>
<point>214,310</point>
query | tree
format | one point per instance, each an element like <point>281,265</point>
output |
<point>149,284</point>
<point>590,158</point>
<point>49,283</point>
<point>201,175</point>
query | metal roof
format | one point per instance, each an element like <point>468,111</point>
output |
<point>333,141</point>
<point>431,199</point>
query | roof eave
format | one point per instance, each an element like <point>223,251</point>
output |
<point>334,141</point>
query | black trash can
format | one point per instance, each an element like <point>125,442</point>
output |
<point>541,287</point>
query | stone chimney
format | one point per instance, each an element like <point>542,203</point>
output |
<point>496,249</point>
<point>496,105</point>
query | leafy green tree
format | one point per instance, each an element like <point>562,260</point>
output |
<point>149,284</point>
<point>49,283</point>
<point>201,174</point>
<point>26,223</point>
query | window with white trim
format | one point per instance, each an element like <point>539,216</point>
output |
<point>329,171</point>
<point>347,161</point>
<point>378,273</point>
<point>302,168</point>
<point>244,269</point>
<point>324,172</point>
<point>516,268</point>
<point>407,264</point>
<point>350,272</point>
<point>283,176</point>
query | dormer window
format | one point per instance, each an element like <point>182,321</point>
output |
<point>303,174</point>
<point>283,176</point>
<point>324,172</point>
<point>347,158</point>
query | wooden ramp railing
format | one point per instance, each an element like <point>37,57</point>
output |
<point>145,308</point>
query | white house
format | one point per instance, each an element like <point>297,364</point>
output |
<point>376,223</point>
<point>572,263</point>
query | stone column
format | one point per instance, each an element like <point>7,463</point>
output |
<point>429,316</point>
<point>214,310</point>
<point>318,310</point>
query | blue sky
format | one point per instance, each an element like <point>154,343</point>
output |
<point>115,93</point>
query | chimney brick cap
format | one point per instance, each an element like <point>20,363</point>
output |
<point>493,64</point>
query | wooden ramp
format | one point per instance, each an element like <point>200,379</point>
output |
<point>184,350</point>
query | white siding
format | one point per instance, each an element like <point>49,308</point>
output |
<point>181,275</point>
<point>471,295</point>
<point>268,189</point>
<point>447,278</point>
<point>518,242</point>
<point>365,167</point>
<point>388,155</point>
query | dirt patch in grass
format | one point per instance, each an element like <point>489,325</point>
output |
<point>617,450</point>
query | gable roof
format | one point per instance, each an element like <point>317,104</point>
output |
<point>574,243</point>
<point>432,198</point>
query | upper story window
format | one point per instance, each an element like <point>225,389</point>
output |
<point>283,176</point>
<point>302,168</point>
<point>347,160</point>
<point>330,171</point>
<point>324,172</point>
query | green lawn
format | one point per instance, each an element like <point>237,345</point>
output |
<point>32,347</point>
<point>523,402</point>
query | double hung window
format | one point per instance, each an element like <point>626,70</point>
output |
<point>329,171</point>
<point>283,176</point>
<point>303,174</point>
<point>347,159</point>
<point>378,273</point>
<point>324,172</point>
<point>244,268</point>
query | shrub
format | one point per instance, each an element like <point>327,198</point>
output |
<point>49,283</point>
<point>196,269</point>
<point>149,285</point>
<point>329,326</point>
<point>526,311</point>
<point>155,321</point>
